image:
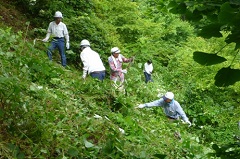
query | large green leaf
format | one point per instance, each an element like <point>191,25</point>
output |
<point>211,30</point>
<point>226,14</point>
<point>177,8</point>
<point>88,144</point>
<point>226,77</point>
<point>207,59</point>
<point>160,156</point>
<point>234,37</point>
<point>215,147</point>
<point>73,152</point>
<point>193,16</point>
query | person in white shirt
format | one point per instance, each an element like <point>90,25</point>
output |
<point>92,63</point>
<point>58,30</point>
<point>148,69</point>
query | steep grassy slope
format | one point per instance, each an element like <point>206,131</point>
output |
<point>47,111</point>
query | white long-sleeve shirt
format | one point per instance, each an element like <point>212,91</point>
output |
<point>91,61</point>
<point>58,30</point>
<point>148,68</point>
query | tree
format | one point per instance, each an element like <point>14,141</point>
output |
<point>213,19</point>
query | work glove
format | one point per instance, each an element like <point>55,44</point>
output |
<point>84,77</point>
<point>124,71</point>
<point>84,74</point>
<point>121,130</point>
<point>189,123</point>
<point>141,106</point>
<point>67,45</point>
<point>45,39</point>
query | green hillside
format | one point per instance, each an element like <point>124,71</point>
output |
<point>47,111</point>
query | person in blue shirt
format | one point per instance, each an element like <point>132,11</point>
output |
<point>171,107</point>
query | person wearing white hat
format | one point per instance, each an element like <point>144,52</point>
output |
<point>58,30</point>
<point>92,63</point>
<point>115,62</point>
<point>171,107</point>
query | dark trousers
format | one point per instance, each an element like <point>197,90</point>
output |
<point>60,44</point>
<point>98,74</point>
<point>148,77</point>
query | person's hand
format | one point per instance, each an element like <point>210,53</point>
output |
<point>189,123</point>
<point>45,39</point>
<point>124,71</point>
<point>141,106</point>
<point>84,76</point>
<point>67,45</point>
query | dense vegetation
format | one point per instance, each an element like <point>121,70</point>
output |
<point>47,111</point>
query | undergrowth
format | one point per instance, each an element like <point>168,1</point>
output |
<point>47,111</point>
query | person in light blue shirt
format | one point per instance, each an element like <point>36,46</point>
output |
<point>171,107</point>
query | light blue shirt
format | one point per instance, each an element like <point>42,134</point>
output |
<point>172,109</point>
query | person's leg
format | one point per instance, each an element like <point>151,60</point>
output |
<point>52,46</point>
<point>61,48</point>
<point>146,77</point>
<point>121,86</point>
<point>103,74</point>
<point>150,78</point>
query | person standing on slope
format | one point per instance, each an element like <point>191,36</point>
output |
<point>115,62</point>
<point>171,107</point>
<point>92,63</point>
<point>148,69</point>
<point>59,30</point>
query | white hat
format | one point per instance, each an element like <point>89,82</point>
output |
<point>84,43</point>
<point>169,95</point>
<point>58,14</point>
<point>115,50</point>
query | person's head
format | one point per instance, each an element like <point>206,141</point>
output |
<point>84,43</point>
<point>115,51</point>
<point>58,17</point>
<point>168,97</point>
<point>149,62</point>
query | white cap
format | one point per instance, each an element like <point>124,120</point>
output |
<point>115,50</point>
<point>58,14</point>
<point>84,43</point>
<point>169,95</point>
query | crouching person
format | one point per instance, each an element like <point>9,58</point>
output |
<point>92,63</point>
<point>171,107</point>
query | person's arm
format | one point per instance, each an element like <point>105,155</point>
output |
<point>84,59</point>
<point>145,67</point>
<point>155,103</point>
<point>126,60</point>
<point>181,112</point>
<point>66,35</point>
<point>112,65</point>
<point>151,69</point>
<point>49,32</point>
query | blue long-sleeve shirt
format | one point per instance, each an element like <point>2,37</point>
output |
<point>172,109</point>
